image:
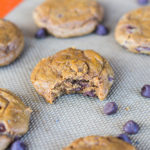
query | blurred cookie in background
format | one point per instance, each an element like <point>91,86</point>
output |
<point>11,42</point>
<point>133,31</point>
<point>68,18</point>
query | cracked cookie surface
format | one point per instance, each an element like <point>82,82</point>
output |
<point>63,18</point>
<point>11,42</point>
<point>14,118</point>
<point>99,143</point>
<point>132,31</point>
<point>73,71</point>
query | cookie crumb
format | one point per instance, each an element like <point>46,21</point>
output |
<point>127,108</point>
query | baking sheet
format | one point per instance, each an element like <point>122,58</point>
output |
<point>55,126</point>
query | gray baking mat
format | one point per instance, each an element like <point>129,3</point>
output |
<point>55,126</point>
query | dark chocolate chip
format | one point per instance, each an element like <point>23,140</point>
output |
<point>90,93</point>
<point>83,83</point>
<point>18,145</point>
<point>110,108</point>
<point>140,48</point>
<point>102,30</point>
<point>60,15</point>
<point>2,128</point>
<point>145,91</point>
<point>110,79</point>
<point>41,33</point>
<point>143,2</point>
<point>130,28</point>
<point>77,89</point>
<point>131,127</point>
<point>125,138</point>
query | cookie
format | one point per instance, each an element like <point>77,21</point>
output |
<point>11,42</point>
<point>73,71</point>
<point>14,118</point>
<point>68,18</point>
<point>132,31</point>
<point>99,143</point>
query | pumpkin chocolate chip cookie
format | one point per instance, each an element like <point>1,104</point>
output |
<point>11,42</point>
<point>132,31</point>
<point>99,143</point>
<point>68,18</point>
<point>14,118</point>
<point>73,71</point>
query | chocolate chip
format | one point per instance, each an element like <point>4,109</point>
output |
<point>140,48</point>
<point>77,89</point>
<point>130,28</point>
<point>60,15</point>
<point>125,138</point>
<point>41,33</point>
<point>142,2</point>
<point>110,79</point>
<point>102,30</point>
<point>83,83</point>
<point>90,93</point>
<point>145,91</point>
<point>110,108</point>
<point>18,145</point>
<point>2,128</point>
<point>131,127</point>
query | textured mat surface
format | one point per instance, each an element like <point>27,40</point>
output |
<point>55,126</point>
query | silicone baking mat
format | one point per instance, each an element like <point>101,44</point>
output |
<point>55,126</point>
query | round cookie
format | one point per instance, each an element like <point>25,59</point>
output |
<point>68,18</point>
<point>73,71</point>
<point>11,42</point>
<point>14,118</point>
<point>99,143</point>
<point>132,31</point>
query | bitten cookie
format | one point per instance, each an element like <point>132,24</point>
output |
<point>14,118</point>
<point>11,42</point>
<point>99,143</point>
<point>133,31</point>
<point>68,18</point>
<point>73,71</point>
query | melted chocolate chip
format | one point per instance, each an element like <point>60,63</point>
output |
<point>140,48</point>
<point>130,28</point>
<point>90,93</point>
<point>2,128</point>
<point>83,83</point>
<point>110,79</point>
<point>60,16</point>
<point>77,89</point>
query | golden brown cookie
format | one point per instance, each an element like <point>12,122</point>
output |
<point>14,118</point>
<point>73,71</point>
<point>68,18</point>
<point>11,42</point>
<point>99,143</point>
<point>132,31</point>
